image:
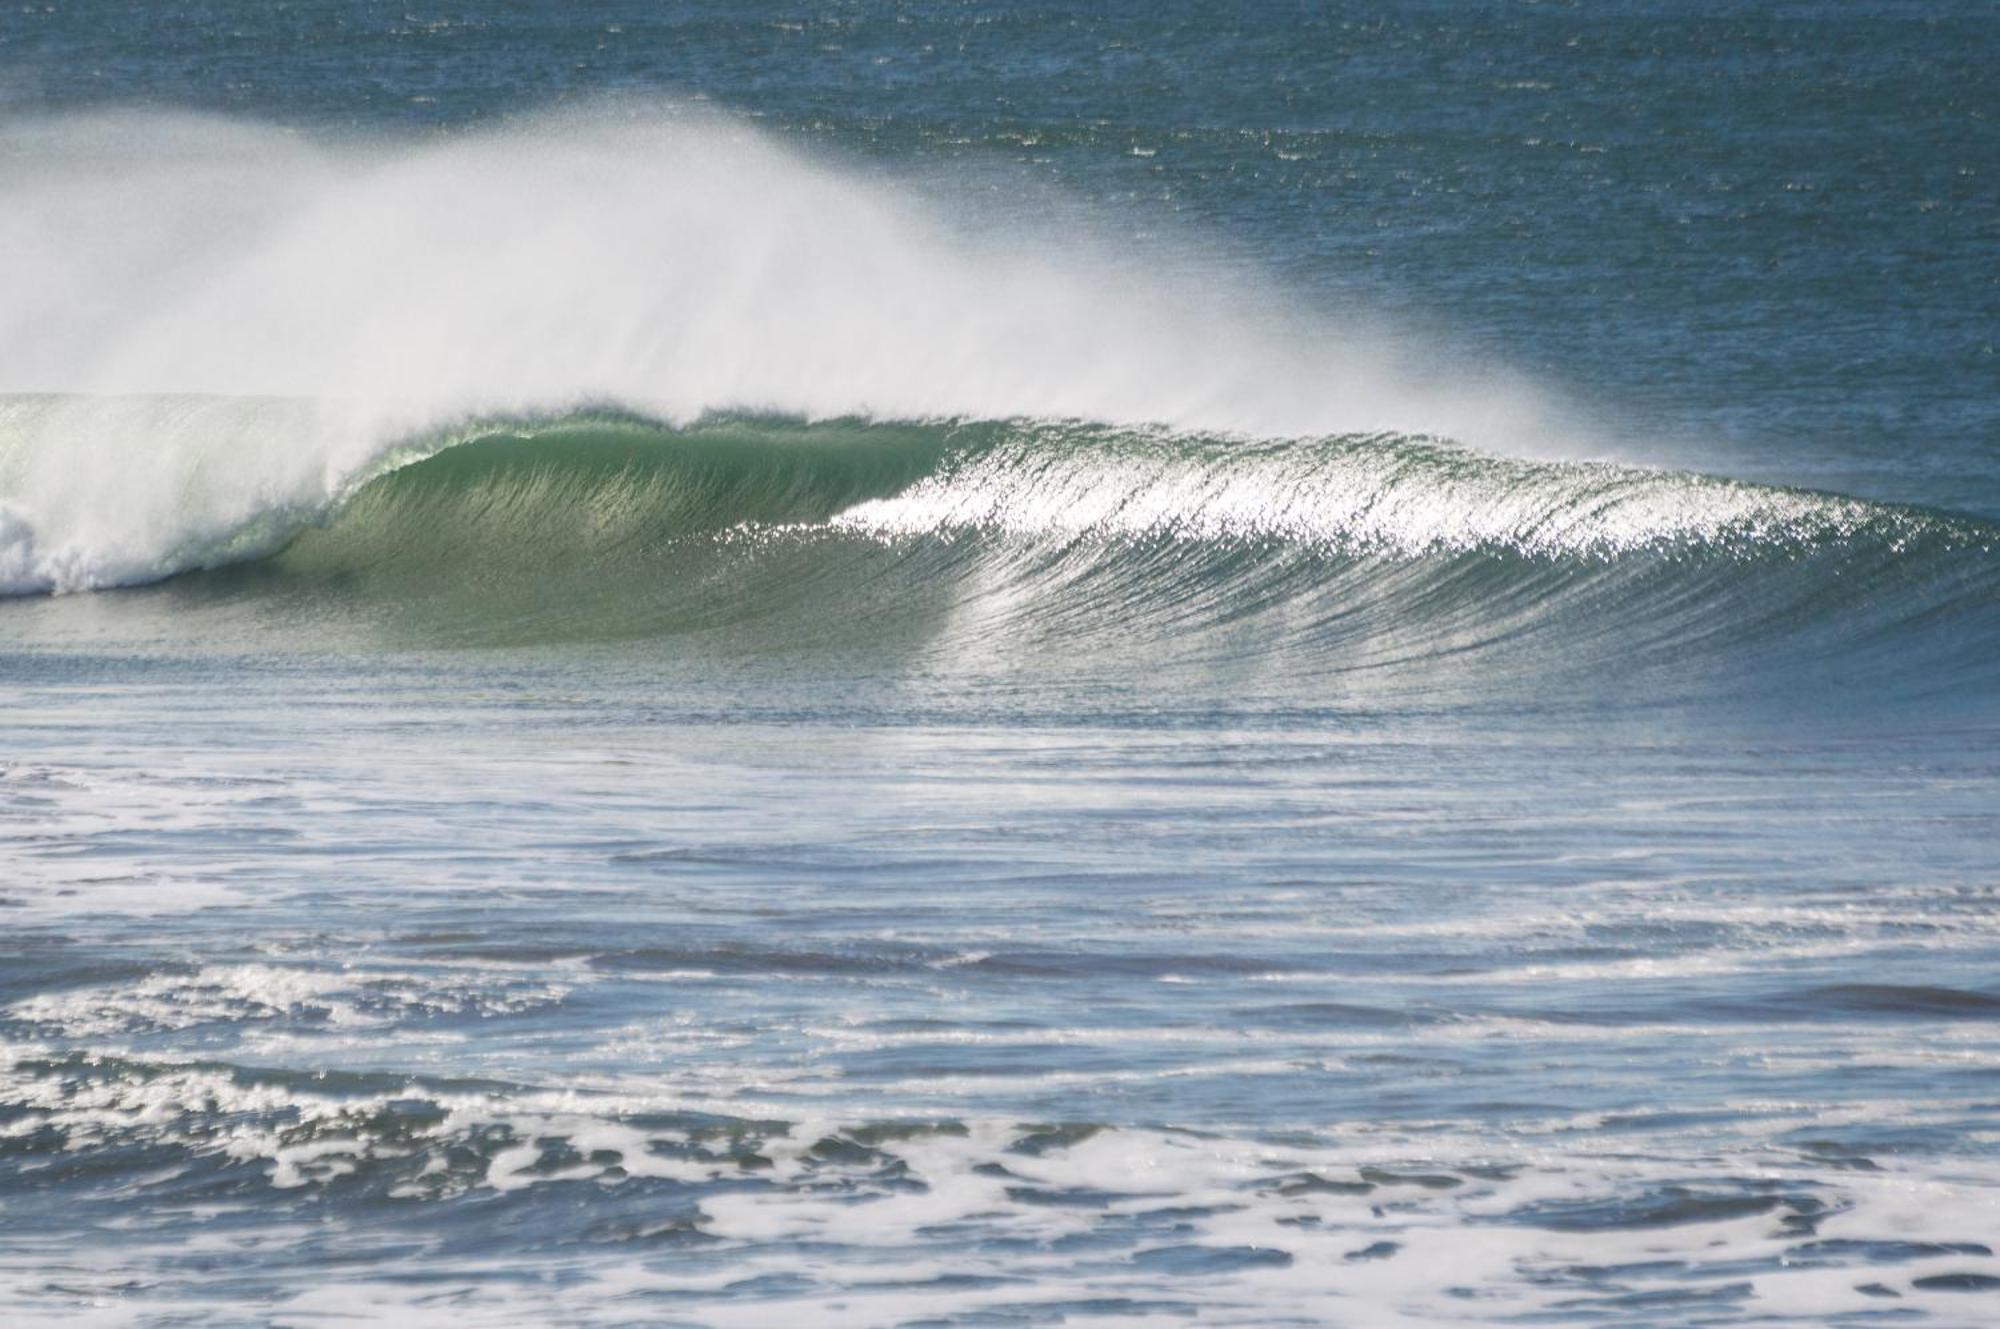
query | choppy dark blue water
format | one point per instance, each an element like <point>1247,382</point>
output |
<point>915,665</point>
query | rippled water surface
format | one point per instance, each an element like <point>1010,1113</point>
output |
<point>903,665</point>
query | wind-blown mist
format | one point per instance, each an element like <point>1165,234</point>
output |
<point>670,264</point>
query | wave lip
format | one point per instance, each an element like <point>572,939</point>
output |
<point>1378,493</point>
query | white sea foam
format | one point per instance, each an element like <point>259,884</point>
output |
<point>1442,1238</point>
<point>239,993</point>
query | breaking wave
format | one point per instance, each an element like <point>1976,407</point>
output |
<point>644,371</point>
<point>1004,536</point>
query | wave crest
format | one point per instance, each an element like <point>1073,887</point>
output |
<point>1015,543</point>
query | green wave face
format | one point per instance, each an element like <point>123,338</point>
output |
<point>600,493</point>
<point>598,528</point>
<point>1017,546</point>
<point>1014,547</point>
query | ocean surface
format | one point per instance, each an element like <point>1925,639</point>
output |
<point>939,665</point>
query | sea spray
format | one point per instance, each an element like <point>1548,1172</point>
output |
<point>357,296</point>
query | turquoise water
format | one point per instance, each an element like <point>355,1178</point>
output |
<point>914,665</point>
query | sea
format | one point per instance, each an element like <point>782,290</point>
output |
<point>1004,664</point>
